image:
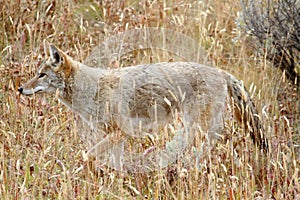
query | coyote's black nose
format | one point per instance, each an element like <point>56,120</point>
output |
<point>20,89</point>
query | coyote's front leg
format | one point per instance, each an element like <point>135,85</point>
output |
<point>114,143</point>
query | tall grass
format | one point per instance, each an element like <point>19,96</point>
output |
<point>41,151</point>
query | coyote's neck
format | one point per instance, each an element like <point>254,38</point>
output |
<point>80,93</point>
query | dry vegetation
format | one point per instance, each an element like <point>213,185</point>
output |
<point>41,152</point>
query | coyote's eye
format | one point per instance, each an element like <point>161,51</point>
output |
<point>42,75</point>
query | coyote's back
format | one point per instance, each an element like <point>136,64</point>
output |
<point>144,98</point>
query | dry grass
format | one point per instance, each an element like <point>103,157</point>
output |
<point>41,152</point>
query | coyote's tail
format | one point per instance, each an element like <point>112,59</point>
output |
<point>245,111</point>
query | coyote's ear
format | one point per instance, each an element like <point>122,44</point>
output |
<point>56,56</point>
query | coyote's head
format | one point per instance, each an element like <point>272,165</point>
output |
<point>51,75</point>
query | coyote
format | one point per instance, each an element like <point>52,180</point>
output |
<point>145,98</point>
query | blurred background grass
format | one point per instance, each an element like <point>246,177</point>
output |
<point>41,152</point>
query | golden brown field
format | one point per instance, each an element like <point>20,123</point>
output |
<point>41,151</point>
